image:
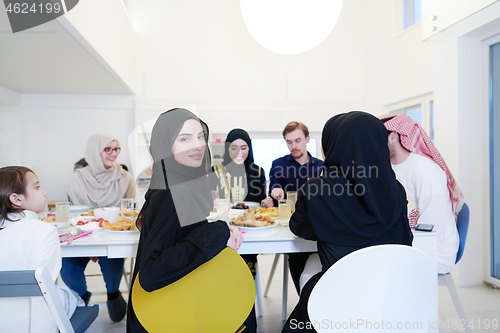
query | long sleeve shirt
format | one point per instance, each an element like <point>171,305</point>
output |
<point>289,175</point>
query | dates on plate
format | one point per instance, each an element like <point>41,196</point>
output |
<point>240,205</point>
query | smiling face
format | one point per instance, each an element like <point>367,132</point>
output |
<point>34,198</point>
<point>189,146</point>
<point>108,160</point>
<point>238,151</point>
<point>297,143</point>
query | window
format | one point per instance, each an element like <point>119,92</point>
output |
<point>266,150</point>
<point>414,112</point>
<point>411,13</point>
<point>495,158</point>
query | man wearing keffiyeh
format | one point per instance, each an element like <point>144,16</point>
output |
<point>428,183</point>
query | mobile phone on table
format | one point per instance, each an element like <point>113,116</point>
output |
<point>424,227</point>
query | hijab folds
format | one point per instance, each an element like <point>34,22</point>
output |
<point>95,183</point>
<point>250,169</point>
<point>189,186</point>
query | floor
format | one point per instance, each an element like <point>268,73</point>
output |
<point>481,304</point>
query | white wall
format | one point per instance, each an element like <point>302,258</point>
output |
<point>200,52</point>
<point>11,138</point>
<point>398,64</point>
<point>105,30</point>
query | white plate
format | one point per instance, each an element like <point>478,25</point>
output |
<point>258,228</point>
<point>122,231</point>
<point>252,204</point>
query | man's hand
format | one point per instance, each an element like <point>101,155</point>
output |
<point>277,193</point>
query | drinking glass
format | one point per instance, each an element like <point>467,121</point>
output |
<point>62,214</point>
<point>223,209</point>
<point>285,211</point>
<point>292,196</point>
<point>127,207</point>
<point>215,196</point>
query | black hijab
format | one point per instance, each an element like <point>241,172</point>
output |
<point>357,161</point>
<point>189,186</point>
<point>233,168</point>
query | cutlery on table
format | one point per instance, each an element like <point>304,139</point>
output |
<point>74,233</point>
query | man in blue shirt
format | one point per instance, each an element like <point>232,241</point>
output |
<point>289,173</point>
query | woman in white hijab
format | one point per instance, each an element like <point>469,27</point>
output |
<point>101,183</point>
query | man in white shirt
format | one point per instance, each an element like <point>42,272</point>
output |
<point>415,161</point>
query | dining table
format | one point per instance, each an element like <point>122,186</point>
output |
<point>273,240</point>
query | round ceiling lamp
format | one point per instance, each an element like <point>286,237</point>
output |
<point>290,26</point>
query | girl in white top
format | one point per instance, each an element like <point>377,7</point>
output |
<point>26,243</point>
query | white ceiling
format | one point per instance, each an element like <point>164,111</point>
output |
<point>48,59</point>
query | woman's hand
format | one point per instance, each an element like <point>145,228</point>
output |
<point>267,202</point>
<point>235,239</point>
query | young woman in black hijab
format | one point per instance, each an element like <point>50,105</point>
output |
<point>238,171</point>
<point>356,203</point>
<point>175,235</point>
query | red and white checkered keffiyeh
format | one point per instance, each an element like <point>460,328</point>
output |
<point>414,138</point>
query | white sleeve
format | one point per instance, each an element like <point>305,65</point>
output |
<point>432,197</point>
<point>48,253</point>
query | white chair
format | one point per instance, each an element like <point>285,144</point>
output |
<point>385,288</point>
<point>31,283</point>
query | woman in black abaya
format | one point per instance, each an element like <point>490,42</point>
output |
<point>356,203</point>
<point>175,237</point>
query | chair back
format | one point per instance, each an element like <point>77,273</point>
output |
<point>374,289</point>
<point>32,283</point>
<point>463,228</point>
<point>215,297</point>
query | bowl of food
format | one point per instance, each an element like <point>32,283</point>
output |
<point>108,213</point>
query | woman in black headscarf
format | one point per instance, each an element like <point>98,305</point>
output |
<point>356,203</point>
<point>175,235</point>
<point>238,178</point>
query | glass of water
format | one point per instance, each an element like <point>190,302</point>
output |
<point>285,211</point>
<point>62,213</point>
<point>223,209</point>
<point>292,196</point>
